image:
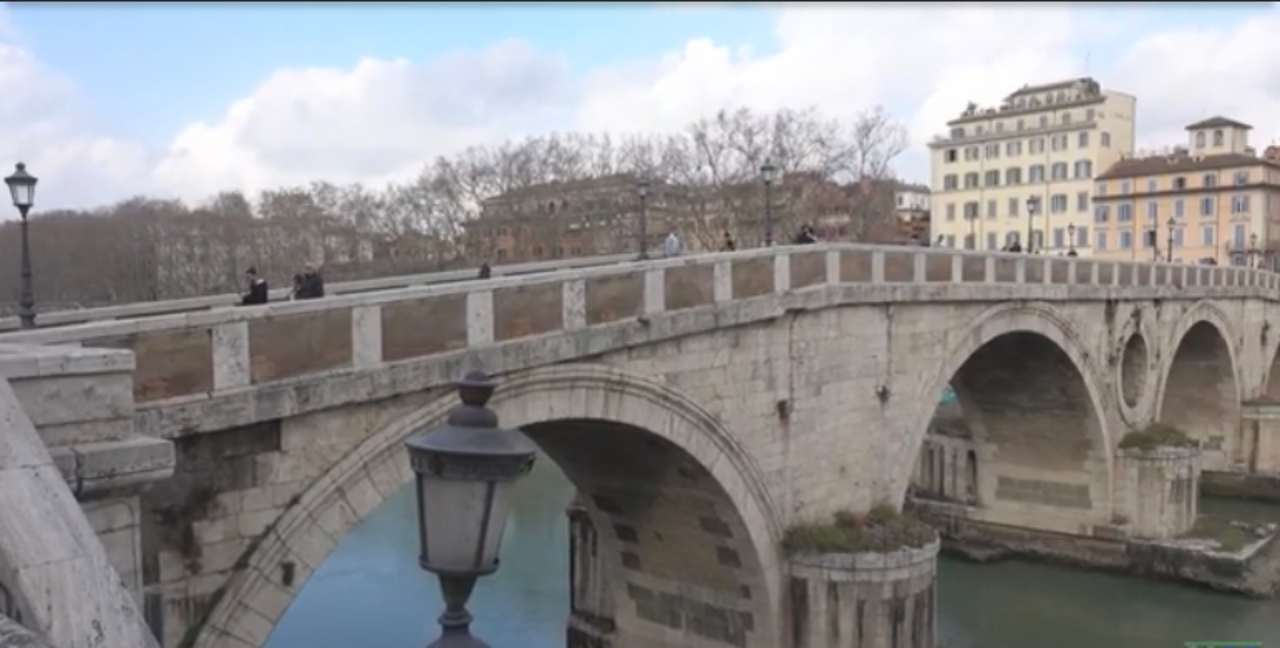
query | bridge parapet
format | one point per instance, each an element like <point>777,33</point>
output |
<point>196,356</point>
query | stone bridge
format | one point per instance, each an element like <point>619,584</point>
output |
<point>700,405</point>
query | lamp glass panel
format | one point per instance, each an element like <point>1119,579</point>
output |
<point>459,517</point>
<point>23,193</point>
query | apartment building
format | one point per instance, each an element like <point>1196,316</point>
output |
<point>1212,199</point>
<point>1025,170</point>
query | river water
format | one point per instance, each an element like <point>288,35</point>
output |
<point>370,593</point>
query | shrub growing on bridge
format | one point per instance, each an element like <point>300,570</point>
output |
<point>882,529</point>
<point>1156,435</point>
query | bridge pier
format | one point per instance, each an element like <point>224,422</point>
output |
<point>591,623</point>
<point>1158,490</point>
<point>869,599</point>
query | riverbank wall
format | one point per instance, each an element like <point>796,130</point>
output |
<point>1252,570</point>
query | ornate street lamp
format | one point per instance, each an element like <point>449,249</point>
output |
<point>1253,250</point>
<point>464,471</point>
<point>1169,252</point>
<point>22,187</point>
<point>769,173</point>
<point>1033,205</point>
<point>642,188</point>
<point>1071,239</point>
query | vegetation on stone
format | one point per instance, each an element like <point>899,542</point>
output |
<point>1157,435</point>
<point>882,529</point>
<point>1230,538</point>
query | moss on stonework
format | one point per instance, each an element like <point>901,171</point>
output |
<point>883,529</point>
<point>1230,538</point>
<point>1157,435</point>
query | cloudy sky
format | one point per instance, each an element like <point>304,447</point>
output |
<point>109,101</point>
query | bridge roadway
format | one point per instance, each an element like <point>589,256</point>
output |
<point>701,405</point>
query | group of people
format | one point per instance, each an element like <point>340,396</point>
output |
<point>308,285</point>
<point>673,246</point>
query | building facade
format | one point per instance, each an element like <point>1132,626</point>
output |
<point>1025,169</point>
<point>1213,201</point>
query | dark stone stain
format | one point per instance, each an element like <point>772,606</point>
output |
<point>728,557</point>
<point>631,560</point>
<point>607,504</point>
<point>715,526</point>
<point>626,533</point>
<point>703,619</point>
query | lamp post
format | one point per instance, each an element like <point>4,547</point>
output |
<point>769,173</point>
<point>1253,249</point>
<point>1169,244</point>
<point>642,188</point>
<point>1071,239</point>
<point>22,187</point>
<point>464,471</point>
<point>1033,203</point>
<point>972,243</point>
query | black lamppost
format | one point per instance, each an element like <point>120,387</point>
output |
<point>642,188</point>
<point>1071,239</point>
<point>769,173</point>
<point>1169,253</point>
<point>1253,249</point>
<point>22,187</point>
<point>1033,204</point>
<point>972,243</point>
<point>464,472</point>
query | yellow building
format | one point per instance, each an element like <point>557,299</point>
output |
<point>1215,199</point>
<point>1037,152</point>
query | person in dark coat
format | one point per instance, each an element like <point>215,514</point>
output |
<point>806,235</point>
<point>298,287</point>
<point>485,271</point>
<point>257,288</point>
<point>1015,247</point>
<point>728,245</point>
<point>312,283</point>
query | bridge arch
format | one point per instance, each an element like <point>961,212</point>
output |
<point>1200,390</point>
<point>1037,437</point>
<point>721,499</point>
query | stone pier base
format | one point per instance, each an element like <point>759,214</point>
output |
<point>1157,491</point>
<point>869,600</point>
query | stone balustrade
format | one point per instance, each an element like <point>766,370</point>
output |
<point>203,353</point>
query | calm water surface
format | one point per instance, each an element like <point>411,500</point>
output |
<point>371,593</point>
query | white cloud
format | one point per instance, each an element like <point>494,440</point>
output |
<point>380,120</point>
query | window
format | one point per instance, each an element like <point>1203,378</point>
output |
<point>1206,235</point>
<point>1044,121</point>
<point>993,179</point>
<point>957,132</point>
<point>968,241</point>
<point>1058,238</point>
<point>1013,176</point>
<point>991,209</point>
<point>1084,169</point>
<point>993,150</point>
<point>1240,204</point>
<point>1082,201</point>
<point>952,155</point>
<point>949,182</point>
<point>1082,236</point>
<point>951,211</point>
<point>1148,238</point>
<point>979,129</point>
<point>1206,206</point>
<point>971,153</point>
<point>1010,238</point>
<point>992,240</point>
<point>1210,180</point>
<point>1035,173</point>
<point>1036,145</point>
<point>1217,137</point>
<point>1013,207</point>
<point>1126,240</point>
<point>1237,236</point>
<point>1101,214</point>
<point>1177,237</point>
<point>1101,243</point>
<point>1124,187</point>
<point>1180,182</point>
<point>1179,209</point>
<point>951,240</point>
<point>1200,139</point>
<point>970,211</point>
<point>1241,178</point>
<point>1013,148</point>
<point>1066,118</point>
<point>1101,189</point>
<point>1059,170</point>
<point>1124,213</point>
<point>999,127</point>
<point>971,180</point>
<point>1153,210</point>
<point>1088,115</point>
<point>1059,142</point>
<point>1037,239</point>
<point>1083,138</point>
<point>1106,139</point>
<point>1021,125</point>
<point>1058,203</point>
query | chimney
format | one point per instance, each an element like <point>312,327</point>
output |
<point>1272,153</point>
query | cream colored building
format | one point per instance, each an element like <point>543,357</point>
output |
<point>1044,144</point>
<point>1215,199</point>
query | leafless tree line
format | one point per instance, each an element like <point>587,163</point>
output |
<point>149,249</point>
